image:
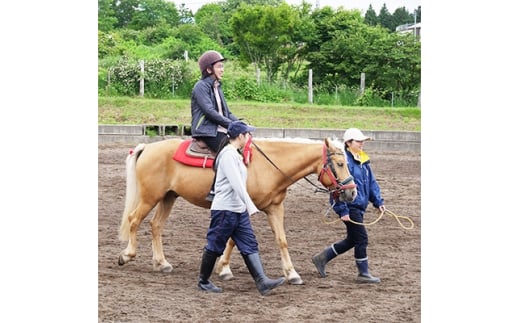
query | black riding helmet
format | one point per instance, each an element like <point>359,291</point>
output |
<point>207,60</point>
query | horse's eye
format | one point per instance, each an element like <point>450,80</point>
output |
<point>340,164</point>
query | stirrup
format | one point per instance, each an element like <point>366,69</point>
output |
<point>210,196</point>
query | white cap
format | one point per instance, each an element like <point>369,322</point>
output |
<point>356,134</point>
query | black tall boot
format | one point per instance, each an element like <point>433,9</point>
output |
<point>206,268</point>
<point>321,259</point>
<point>256,269</point>
<point>364,275</point>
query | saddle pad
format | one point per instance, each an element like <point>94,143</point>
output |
<point>181,157</point>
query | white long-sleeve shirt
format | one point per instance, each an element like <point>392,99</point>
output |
<point>230,183</point>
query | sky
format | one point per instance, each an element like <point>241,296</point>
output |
<point>362,5</point>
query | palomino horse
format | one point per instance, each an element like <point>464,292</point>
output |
<point>154,178</point>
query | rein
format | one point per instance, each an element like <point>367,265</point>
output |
<point>318,189</point>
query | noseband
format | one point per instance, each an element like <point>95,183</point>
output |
<point>328,169</point>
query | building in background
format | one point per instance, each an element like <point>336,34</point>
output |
<point>410,28</point>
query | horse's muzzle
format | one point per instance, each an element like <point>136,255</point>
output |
<point>347,190</point>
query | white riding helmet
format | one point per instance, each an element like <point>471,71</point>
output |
<point>356,134</point>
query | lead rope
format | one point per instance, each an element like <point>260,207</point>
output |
<point>396,216</point>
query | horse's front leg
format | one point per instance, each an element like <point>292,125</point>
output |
<point>223,269</point>
<point>157,224</point>
<point>275,216</point>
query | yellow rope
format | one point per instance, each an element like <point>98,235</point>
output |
<point>396,216</point>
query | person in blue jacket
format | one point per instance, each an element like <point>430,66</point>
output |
<point>210,114</point>
<point>368,191</point>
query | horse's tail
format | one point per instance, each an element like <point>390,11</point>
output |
<point>132,191</point>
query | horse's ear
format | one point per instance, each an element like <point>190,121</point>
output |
<point>327,142</point>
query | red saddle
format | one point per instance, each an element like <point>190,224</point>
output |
<point>193,152</point>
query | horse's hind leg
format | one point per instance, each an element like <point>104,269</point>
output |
<point>134,220</point>
<point>157,223</point>
<point>223,269</point>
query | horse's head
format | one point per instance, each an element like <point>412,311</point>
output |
<point>334,174</point>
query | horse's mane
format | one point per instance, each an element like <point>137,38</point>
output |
<point>335,141</point>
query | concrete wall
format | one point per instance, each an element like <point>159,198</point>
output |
<point>383,141</point>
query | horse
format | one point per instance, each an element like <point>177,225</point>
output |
<point>154,178</point>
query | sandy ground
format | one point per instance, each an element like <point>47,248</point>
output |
<point>135,293</point>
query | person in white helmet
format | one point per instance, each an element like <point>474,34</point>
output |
<point>210,114</point>
<point>368,192</point>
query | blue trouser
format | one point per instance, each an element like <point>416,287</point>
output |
<point>357,236</point>
<point>227,224</point>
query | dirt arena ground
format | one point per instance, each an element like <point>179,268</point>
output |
<point>134,293</point>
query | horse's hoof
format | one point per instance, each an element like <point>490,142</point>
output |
<point>296,281</point>
<point>226,276</point>
<point>225,273</point>
<point>121,261</point>
<point>163,268</point>
<point>167,269</point>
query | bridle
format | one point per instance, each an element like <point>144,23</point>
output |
<point>336,187</point>
<point>328,168</point>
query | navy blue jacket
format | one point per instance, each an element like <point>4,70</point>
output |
<point>367,187</point>
<point>204,109</point>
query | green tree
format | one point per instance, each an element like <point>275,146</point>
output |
<point>418,14</point>
<point>345,47</point>
<point>304,34</point>
<point>371,18</point>
<point>262,33</point>
<point>139,14</point>
<point>401,16</point>
<point>213,21</point>
<point>385,18</point>
<point>153,36</point>
<point>106,15</point>
<point>150,13</point>
<point>195,41</point>
<point>328,50</point>
<point>392,62</point>
<point>124,11</point>
<point>232,5</point>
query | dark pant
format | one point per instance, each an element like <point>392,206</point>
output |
<point>214,142</point>
<point>227,224</point>
<point>357,237</point>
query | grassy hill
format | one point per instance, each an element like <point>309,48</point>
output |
<point>124,110</point>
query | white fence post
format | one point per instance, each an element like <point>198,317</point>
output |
<point>107,90</point>
<point>173,84</point>
<point>141,82</point>
<point>362,84</point>
<point>310,86</point>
